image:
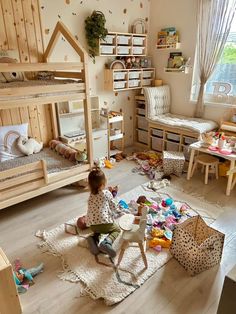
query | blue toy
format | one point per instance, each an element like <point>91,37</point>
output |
<point>169,201</point>
<point>123,204</point>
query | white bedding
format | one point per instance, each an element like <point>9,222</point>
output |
<point>186,123</point>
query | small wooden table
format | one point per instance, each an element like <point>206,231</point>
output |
<point>196,147</point>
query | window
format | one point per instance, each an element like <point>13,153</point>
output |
<point>221,86</point>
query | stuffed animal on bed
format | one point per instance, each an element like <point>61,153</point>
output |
<point>28,146</point>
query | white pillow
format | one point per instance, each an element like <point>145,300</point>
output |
<point>8,136</point>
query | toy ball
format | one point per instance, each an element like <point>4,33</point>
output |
<point>163,203</point>
<point>81,223</point>
<point>169,201</point>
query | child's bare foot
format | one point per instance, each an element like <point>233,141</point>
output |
<point>106,247</point>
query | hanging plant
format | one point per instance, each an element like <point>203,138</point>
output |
<point>95,30</point>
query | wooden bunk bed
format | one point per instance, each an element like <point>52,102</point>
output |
<point>35,103</point>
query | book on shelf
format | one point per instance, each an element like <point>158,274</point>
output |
<point>175,60</point>
<point>161,38</point>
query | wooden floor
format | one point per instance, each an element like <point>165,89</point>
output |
<point>169,290</point>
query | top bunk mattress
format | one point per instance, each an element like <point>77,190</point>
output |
<point>186,123</point>
<point>39,88</point>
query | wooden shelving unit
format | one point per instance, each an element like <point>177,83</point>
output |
<point>169,47</point>
<point>126,79</point>
<point>112,123</point>
<point>123,44</point>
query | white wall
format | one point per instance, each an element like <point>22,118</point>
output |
<point>183,15</point>
<point>119,15</point>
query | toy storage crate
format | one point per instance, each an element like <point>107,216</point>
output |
<point>107,50</point>
<point>141,111</point>
<point>109,39</point>
<point>138,41</point>
<point>158,133</point>
<point>189,140</point>
<point>119,84</point>
<point>138,50</point>
<point>142,123</point>
<point>157,143</point>
<point>134,75</point>
<point>123,40</point>
<point>123,50</point>
<point>134,83</point>
<point>142,136</point>
<point>196,246</point>
<point>172,146</point>
<point>9,299</point>
<point>147,74</point>
<point>173,137</point>
<point>147,82</point>
<point>119,75</point>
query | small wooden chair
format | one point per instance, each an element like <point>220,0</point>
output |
<point>136,235</point>
<point>211,163</point>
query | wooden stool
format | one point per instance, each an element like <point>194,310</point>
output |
<point>211,163</point>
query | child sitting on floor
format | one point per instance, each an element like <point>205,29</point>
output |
<point>101,208</point>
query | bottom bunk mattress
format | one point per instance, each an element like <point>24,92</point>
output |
<point>186,123</point>
<point>55,162</point>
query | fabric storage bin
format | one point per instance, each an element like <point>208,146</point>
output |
<point>119,84</point>
<point>119,75</point>
<point>123,40</point>
<point>142,123</point>
<point>173,162</point>
<point>196,246</point>
<point>173,137</point>
<point>109,50</point>
<point>138,50</point>
<point>134,83</point>
<point>147,82</point>
<point>189,140</point>
<point>157,143</point>
<point>147,74</point>
<point>108,39</point>
<point>134,75</point>
<point>142,136</point>
<point>157,132</point>
<point>141,111</point>
<point>172,146</point>
<point>122,50</point>
<point>186,152</point>
<point>138,41</point>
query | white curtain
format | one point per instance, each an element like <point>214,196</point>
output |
<point>214,22</point>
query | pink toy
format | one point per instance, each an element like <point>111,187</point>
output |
<point>53,143</point>
<point>183,208</point>
<point>170,220</point>
<point>157,248</point>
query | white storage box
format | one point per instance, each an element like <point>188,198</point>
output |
<point>107,50</point>
<point>119,75</point>
<point>123,40</point>
<point>138,41</point>
<point>142,136</point>
<point>134,75</point>
<point>173,137</point>
<point>138,50</point>
<point>141,111</point>
<point>189,140</point>
<point>108,39</point>
<point>147,74</point>
<point>134,83</point>
<point>119,84</point>
<point>157,143</point>
<point>147,82</point>
<point>172,146</point>
<point>157,132</point>
<point>142,123</point>
<point>122,50</point>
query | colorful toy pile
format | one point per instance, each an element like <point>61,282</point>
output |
<point>149,163</point>
<point>161,220</point>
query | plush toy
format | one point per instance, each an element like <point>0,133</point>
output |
<point>53,143</point>
<point>28,146</point>
<point>142,199</point>
<point>81,156</point>
<point>165,243</point>
<point>113,190</point>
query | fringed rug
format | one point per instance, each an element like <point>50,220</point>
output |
<point>99,276</point>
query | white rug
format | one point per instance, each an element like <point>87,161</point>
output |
<point>100,278</point>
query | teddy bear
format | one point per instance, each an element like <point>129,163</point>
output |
<point>29,146</point>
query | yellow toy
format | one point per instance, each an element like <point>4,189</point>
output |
<point>164,243</point>
<point>108,164</point>
<point>157,233</point>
